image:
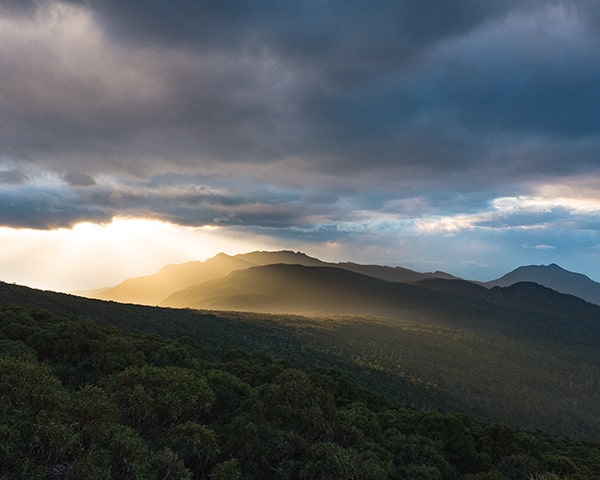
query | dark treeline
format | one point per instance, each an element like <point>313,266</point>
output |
<point>82,400</point>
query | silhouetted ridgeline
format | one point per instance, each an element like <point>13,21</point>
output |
<point>154,289</point>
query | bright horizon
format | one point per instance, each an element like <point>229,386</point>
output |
<point>430,137</point>
<point>91,256</point>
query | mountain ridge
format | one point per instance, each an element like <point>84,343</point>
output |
<point>155,288</point>
<point>528,308</point>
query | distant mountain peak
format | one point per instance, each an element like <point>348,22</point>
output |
<point>552,276</point>
<point>550,266</point>
<point>297,253</point>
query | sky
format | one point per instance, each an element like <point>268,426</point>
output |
<point>461,136</point>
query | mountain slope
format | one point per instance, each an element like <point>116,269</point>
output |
<point>287,288</point>
<point>81,398</point>
<point>290,289</point>
<point>542,308</point>
<point>554,277</point>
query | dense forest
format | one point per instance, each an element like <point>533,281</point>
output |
<point>82,399</point>
<point>528,371</point>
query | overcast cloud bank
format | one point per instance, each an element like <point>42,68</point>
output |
<point>468,127</point>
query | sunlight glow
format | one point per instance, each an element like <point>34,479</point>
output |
<point>90,256</point>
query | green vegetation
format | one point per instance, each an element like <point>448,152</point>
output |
<point>80,399</point>
<point>500,373</point>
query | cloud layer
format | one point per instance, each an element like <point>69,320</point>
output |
<point>316,121</point>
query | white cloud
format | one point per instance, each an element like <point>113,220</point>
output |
<point>538,204</point>
<point>510,213</point>
<point>446,225</point>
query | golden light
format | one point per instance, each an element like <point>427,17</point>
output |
<point>90,255</point>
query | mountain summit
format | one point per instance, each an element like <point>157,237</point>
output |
<point>555,277</point>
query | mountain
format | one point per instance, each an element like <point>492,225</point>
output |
<point>526,310</point>
<point>282,288</point>
<point>554,277</point>
<point>381,272</point>
<point>320,290</point>
<point>154,289</point>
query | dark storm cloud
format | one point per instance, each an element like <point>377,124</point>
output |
<point>165,197</point>
<point>12,177</point>
<point>18,7</point>
<point>41,208</point>
<point>292,113</point>
<point>81,101</point>
<point>79,179</point>
<point>340,34</point>
<point>195,205</point>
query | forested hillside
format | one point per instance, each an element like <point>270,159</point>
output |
<point>534,376</point>
<point>81,399</point>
